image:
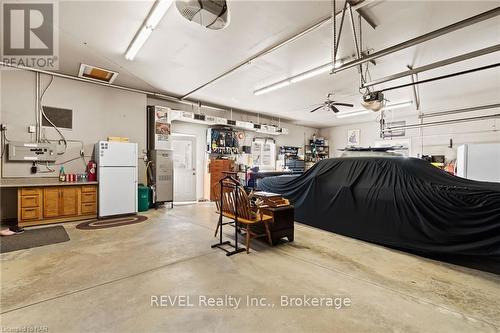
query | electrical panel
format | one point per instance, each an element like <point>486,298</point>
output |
<point>27,151</point>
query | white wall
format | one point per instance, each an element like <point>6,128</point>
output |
<point>428,141</point>
<point>98,112</point>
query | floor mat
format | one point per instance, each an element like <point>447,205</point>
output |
<point>111,222</point>
<point>33,238</point>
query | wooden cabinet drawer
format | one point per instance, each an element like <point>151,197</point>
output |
<point>28,201</point>
<point>89,208</point>
<point>30,214</point>
<point>89,188</point>
<point>30,191</point>
<point>89,197</point>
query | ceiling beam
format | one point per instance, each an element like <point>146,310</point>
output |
<point>367,18</point>
<point>362,13</point>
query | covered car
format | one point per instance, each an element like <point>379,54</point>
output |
<point>404,203</point>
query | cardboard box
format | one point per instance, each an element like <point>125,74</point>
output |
<point>117,139</point>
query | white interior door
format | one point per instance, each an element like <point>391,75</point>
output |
<point>184,148</point>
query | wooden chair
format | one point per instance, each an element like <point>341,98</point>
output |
<point>247,214</point>
<point>216,194</point>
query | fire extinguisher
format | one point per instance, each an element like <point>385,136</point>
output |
<point>92,171</point>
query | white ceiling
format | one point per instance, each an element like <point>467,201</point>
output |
<point>180,55</point>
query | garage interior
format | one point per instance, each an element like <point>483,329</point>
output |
<point>250,166</point>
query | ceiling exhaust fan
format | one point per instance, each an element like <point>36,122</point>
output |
<point>331,105</point>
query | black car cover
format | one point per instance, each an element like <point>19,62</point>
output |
<point>405,203</point>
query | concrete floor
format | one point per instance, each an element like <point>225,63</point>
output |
<point>103,280</point>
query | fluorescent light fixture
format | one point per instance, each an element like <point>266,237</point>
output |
<point>158,12</point>
<point>137,43</point>
<point>351,114</point>
<point>399,105</point>
<point>392,106</point>
<point>272,87</point>
<point>301,76</point>
<point>311,73</point>
<point>154,17</point>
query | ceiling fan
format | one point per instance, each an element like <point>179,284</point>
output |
<point>331,105</point>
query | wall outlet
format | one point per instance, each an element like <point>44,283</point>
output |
<point>31,129</point>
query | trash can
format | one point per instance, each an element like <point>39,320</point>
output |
<point>143,197</point>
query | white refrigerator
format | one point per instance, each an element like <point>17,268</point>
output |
<point>117,176</point>
<point>480,161</point>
